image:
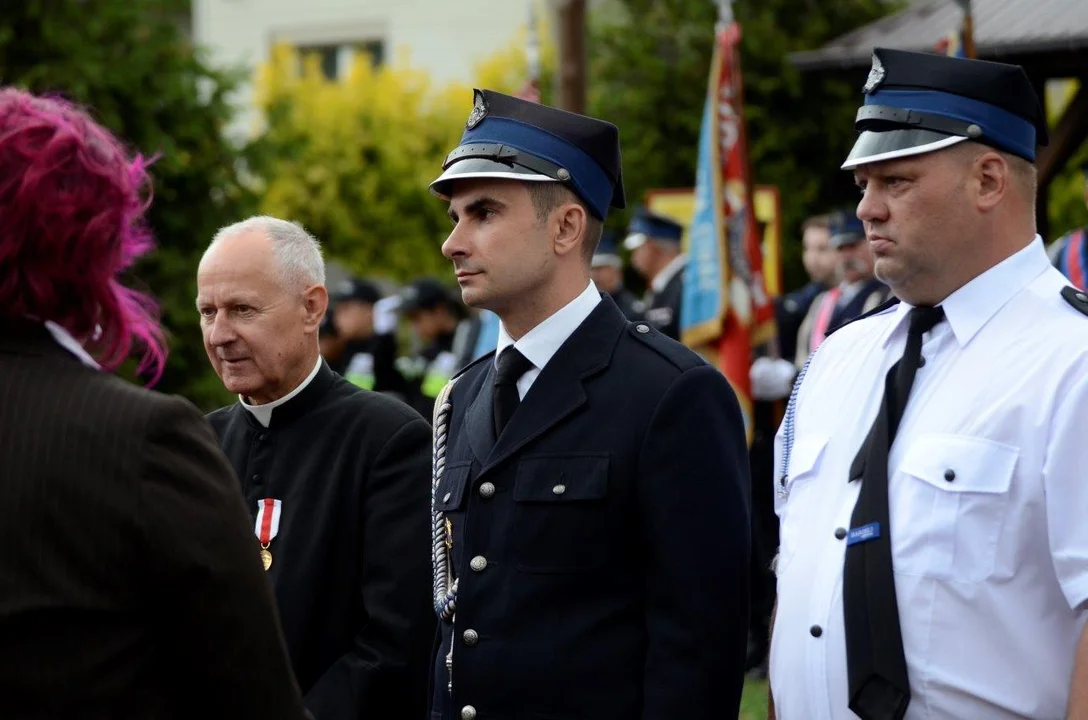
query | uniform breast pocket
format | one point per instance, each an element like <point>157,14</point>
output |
<point>559,514</point>
<point>948,505</point>
<point>451,488</point>
<point>805,458</point>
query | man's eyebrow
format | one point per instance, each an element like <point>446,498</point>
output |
<point>476,205</point>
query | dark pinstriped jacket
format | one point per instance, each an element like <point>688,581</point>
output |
<point>130,584</point>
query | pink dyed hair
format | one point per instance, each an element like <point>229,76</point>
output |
<point>72,204</point>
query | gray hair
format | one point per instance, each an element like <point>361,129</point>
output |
<point>298,253</point>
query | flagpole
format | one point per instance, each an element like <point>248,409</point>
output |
<point>968,33</point>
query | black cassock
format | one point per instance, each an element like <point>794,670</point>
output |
<point>601,544</point>
<point>351,562</point>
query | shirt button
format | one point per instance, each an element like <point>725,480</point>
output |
<point>478,563</point>
<point>468,713</point>
<point>471,637</point>
<point>949,474</point>
<point>816,631</point>
<point>260,438</point>
<point>840,533</point>
<point>256,477</point>
<point>487,490</point>
<point>559,489</point>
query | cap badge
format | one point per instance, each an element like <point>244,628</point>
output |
<point>479,112</point>
<point>876,75</point>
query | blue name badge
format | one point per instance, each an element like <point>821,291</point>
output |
<point>865,533</point>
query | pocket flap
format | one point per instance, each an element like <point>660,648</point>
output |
<point>959,463</point>
<point>451,487</point>
<point>805,454</point>
<point>561,478</point>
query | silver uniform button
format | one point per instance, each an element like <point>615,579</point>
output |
<point>559,489</point>
<point>478,563</point>
<point>487,490</point>
<point>468,713</point>
<point>446,497</point>
<point>643,328</point>
<point>471,637</point>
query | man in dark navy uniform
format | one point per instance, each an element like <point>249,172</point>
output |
<point>591,503</point>
<point>606,270</point>
<point>654,242</point>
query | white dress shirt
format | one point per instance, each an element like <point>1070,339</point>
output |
<point>69,343</point>
<point>542,342</point>
<point>263,413</point>
<point>988,487</point>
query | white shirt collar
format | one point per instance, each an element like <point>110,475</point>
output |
<point>972,306</point>
<point>668,272</point>
<point>69,343</point>
<point>263,413</point>
<point>542,342</point>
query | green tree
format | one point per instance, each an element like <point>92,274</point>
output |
<point>351,158</point>
<point>649,66</point>
<point>131,63</point>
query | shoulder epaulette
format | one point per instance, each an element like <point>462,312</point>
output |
<point>886,305</point>
<point>1077,298</point>
<point>680,356</point>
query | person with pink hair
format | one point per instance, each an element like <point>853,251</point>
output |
<point>130,582</point>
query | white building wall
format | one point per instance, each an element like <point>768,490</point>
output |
<point>446,38</point>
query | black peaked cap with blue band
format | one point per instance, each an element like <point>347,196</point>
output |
<point>507,137</point>
<point>845,228</point>
<point>646,225</point>
<point>918,102</point>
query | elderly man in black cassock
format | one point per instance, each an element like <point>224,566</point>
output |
<point>336,478</point>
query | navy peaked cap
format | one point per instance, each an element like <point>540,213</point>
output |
<point>917,102</point>
<point>507,137</point>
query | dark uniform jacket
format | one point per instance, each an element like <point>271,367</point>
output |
<point>663,308</point>
<point>427,372</point>
<point>131,583</point>
<point>351,564</point>
<point>790,312</point>
<point>871,294</point>
<point>602,543</point>
<point>372,365</point>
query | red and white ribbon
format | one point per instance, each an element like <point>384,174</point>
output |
<point>268,520</point>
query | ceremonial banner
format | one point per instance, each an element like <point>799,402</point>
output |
<point>726,309</point>
<point>531,90</point>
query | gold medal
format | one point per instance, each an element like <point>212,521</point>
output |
<point>267,527</point>
<point>266,558</point>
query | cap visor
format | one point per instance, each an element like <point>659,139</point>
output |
<point>607,260</point>
<point>873,146</point>
<point>635,240</point>
<point>473,168</point>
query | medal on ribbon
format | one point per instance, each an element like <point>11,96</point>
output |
<point>267,527</point>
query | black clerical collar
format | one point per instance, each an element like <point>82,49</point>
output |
<point>296,404</point>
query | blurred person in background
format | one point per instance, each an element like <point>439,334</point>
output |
<point>821,265</point>
<point>1069,253</point>
<point>366,324</point>
<point>336,477</point>
<point>434,315</point>
<point>654,241</point>
<point>857,292</point>
<point>132,586</point>
<point>606,271</point>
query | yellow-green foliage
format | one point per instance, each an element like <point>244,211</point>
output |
<point>351,159</point>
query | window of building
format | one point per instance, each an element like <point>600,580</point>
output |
<point>335,58</point>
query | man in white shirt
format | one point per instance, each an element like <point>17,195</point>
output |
<point>591,488</point>
<point>931,468</point>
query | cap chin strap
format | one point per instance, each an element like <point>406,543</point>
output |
<point>913,119</point>
<point>497,152</point>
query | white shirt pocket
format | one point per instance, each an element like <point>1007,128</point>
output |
<point>947,506</point>
<point>790,504</point>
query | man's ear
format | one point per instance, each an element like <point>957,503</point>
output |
<point>315,303</point>
<point>992,176</point>
<point>569,227</point>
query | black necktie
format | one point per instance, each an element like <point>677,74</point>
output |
<point>512,365</point>
<point>875,661</point>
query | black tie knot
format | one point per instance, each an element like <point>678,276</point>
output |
<point>512,365</point>
<point>924,318</point>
